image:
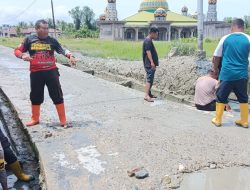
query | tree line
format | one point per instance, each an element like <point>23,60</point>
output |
<point>84,23</point>
<point>83,26</point>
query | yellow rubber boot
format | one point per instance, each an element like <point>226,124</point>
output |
<point>17,170</point>
<point>243,122</point>
<point>35,116</point>
<point>3,175</point>
<point>219,112</point>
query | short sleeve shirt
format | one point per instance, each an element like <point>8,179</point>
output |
<point>149,46</point>
<point>234,50</point>
<point>205,90</point>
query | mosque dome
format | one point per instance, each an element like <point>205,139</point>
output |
<point>184,9</point>
<point>153,5</point>
<point>160,12</point>
<point>213,2</point>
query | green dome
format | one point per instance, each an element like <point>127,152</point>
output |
<point>153,5</point>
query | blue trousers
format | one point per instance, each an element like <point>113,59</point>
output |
<point>239,87</point>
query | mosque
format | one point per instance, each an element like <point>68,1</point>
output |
<point>157,13</point>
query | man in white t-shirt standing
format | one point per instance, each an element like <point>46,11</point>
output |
<point>232,53</point>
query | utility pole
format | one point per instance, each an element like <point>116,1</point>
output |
<point>53,17</point>
<point>201,52</point>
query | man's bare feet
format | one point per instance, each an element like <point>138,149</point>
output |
<point>152,96</point>
<point>148,99</point>
<point>228,108</point>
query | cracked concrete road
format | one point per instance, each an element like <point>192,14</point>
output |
<point>115,131</point>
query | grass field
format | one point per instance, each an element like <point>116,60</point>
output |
<point>125,50</point>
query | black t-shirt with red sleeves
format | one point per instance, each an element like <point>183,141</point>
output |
<point>42,52</point>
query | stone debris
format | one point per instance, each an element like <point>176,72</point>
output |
<point>131,173</point>
<point>212,166</point>
<point>173,52</point>
<point>139,173</point>
<point>182,168</point>
<point>48,135</point>
<point>166,180</point>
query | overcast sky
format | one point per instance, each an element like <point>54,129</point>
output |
<point>14,11</point>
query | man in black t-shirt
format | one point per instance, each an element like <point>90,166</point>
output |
<point>150,60</point>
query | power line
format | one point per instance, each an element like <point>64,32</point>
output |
<point>30,5</point>
<point>22,12</point>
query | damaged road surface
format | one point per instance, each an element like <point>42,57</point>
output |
<point>114,131</point>
<point>12,128</point>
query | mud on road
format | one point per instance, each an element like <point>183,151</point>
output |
<point>21,145</point>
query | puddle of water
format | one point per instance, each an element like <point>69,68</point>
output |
<point>157,102</point>
<point>225,179</point>
<point>15,184</point>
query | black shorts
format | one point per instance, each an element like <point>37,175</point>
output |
<point>50,78</point>
<point>239,87</point>
<point>150,75</point>
<point>209,107</point>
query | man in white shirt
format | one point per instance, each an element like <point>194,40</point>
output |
<point>232,53</point>
<point>205,92</point>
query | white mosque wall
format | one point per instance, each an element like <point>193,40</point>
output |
<point>112,31</point>
<point>216,30</point>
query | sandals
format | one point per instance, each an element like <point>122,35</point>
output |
<point>148,100</point>
<point>152,96</point>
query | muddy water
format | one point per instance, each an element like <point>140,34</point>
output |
<point>20,143</point>
<point>224,179</point>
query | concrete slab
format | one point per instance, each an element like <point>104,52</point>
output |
<point>115,131</point>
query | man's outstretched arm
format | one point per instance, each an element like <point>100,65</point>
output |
<point>60,50</point>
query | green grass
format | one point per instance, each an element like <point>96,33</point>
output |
<point>125,50</point>
<point>210,47</point>
<point>247,31</point>
<point>10,42</point>
<point>112,49</point>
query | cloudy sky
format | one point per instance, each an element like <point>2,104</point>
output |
<point>14,11</point>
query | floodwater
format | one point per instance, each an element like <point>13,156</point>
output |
<point>219,179</point>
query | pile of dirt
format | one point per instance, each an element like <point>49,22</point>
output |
<point>175,75</point>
